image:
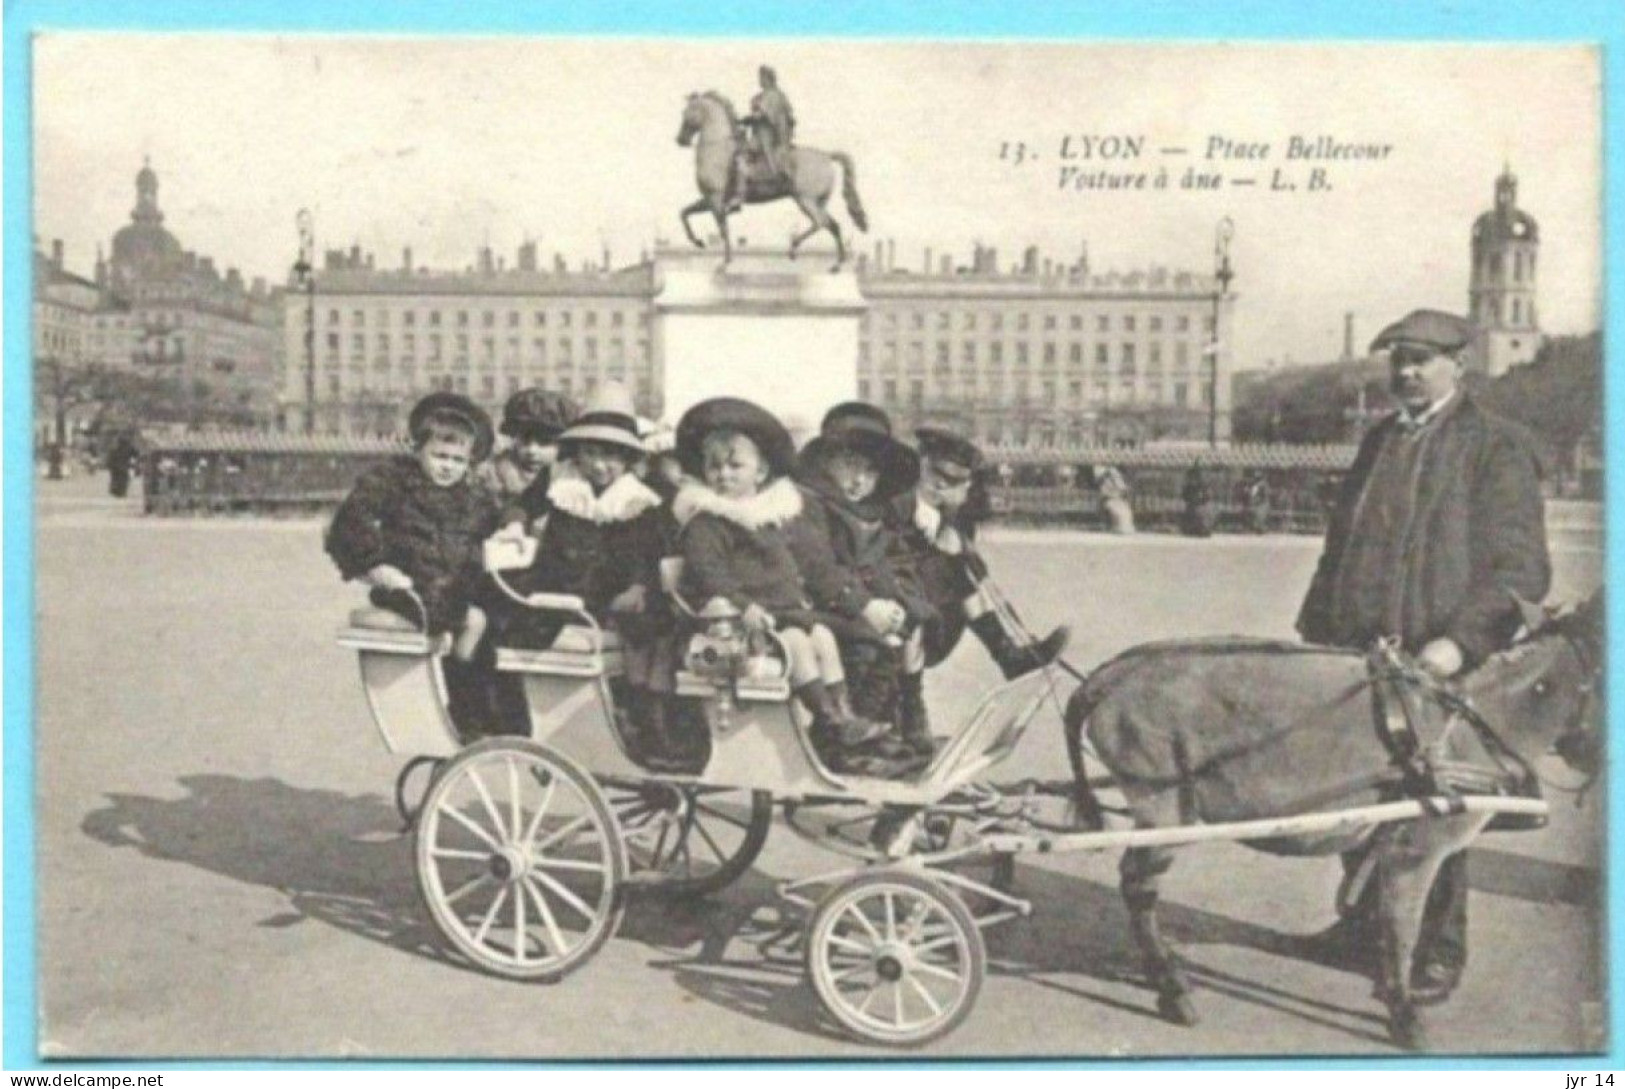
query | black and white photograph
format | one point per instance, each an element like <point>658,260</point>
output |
<point>717,548</point>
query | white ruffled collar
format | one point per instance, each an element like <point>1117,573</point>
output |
<point>622,501</point>
<point>775,505</point>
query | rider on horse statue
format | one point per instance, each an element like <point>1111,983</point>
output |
<point>771,125</point>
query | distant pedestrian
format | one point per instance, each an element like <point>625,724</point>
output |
<point>1200,511</point>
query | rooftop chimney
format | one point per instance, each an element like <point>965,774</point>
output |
<point>56,254</point>
<point>527,257</point>
<point>406,258</point>
<point>926,268</point>
<point>1348,336</point>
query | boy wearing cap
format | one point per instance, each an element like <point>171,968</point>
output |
<point>1438,529</point>
<point>944,512</point>
<point>416,523</point>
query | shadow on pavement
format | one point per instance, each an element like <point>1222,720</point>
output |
<point>743,952</point>
<point>336,857</point>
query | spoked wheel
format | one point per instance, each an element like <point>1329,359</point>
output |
<point>520,859</point>
<point>403,787</point>
<point>895,958</point>
<point>687,839</point>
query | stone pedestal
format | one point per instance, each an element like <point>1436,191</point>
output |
<point>782,333</point>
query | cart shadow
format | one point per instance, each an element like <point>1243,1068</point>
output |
<point>337,858</point>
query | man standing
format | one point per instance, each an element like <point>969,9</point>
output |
<point>773,122</point>
<point>1439,528</point>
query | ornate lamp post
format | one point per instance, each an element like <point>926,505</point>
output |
<point>1222,275</point>
<point>304,277</point>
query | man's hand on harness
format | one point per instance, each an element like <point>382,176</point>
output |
<point>1441,657</point>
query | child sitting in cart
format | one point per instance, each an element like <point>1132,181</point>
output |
<point>734,518</point>
<point>852,475</point>
<point>602,532</point>
<point>596,530</point>
<point>412,529</point>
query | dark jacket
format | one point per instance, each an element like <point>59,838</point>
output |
<point>854,554</point>
<point>739,549</point>
<point>396,515</point>
<point>596,546</point>
<point>1476,536</point>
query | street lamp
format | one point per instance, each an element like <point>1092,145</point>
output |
<point>1222,275</point>
<point>304,274</point>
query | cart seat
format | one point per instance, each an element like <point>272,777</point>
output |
<point>380,630</point>
<point>572,654</point>
<point>373,618</point>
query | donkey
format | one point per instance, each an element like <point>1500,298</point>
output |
<point>1230,729</point>
<point>710,124</point>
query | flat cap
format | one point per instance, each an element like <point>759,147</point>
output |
<point>940,444</point>
<point>1434,328</point>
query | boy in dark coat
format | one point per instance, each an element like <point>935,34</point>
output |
<point>415,524</point>
<point>736,546</point>
<point>851,476</point>
<point>943,514</point>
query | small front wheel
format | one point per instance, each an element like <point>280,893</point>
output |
<point>896,958</point>
<point>520,860</point>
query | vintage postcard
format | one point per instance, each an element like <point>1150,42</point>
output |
<point>709,548</point>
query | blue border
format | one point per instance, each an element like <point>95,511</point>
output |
<point>1593,21</point>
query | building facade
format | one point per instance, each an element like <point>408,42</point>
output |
<point>1041,354</point>
<point>1501,291</point>
<point>383,338</point>
<point>1048,353</point>
<point>171,314</point>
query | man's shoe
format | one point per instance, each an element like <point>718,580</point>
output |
<point>1434,981</point>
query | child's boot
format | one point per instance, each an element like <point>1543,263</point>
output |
<point>468,701</point>
<point>1016,658</point>
<point>844,728</point>
<point>913,721</point>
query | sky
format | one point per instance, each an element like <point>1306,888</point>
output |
<point>447,144</point>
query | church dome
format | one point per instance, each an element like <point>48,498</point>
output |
<point>143,248</point>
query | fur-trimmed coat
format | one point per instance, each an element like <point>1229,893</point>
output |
<point>1474,536</point>
<point>739,549</point>
<point>396,515</point>
<point>596,546</point>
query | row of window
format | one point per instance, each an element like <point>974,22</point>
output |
<point>433,343</point>
<point>1022,321</point>
<point>482,385</point>
<point>489,319</point>
<point>1021,353</point>
<point>914,394</point>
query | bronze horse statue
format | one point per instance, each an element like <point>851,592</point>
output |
<point>710,124</point>
<point>1220,730</point>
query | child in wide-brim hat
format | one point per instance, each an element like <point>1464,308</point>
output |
<point>853,475</point>
<point>597,538</point>
<point>734,513</point>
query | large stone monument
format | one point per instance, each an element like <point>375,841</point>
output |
<point>781,332</point>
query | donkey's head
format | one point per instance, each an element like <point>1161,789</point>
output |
<point>1546,688</point>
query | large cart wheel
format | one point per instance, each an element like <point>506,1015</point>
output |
<point>520,860</point>
<point>895,958</point>
<point>688,839</point>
